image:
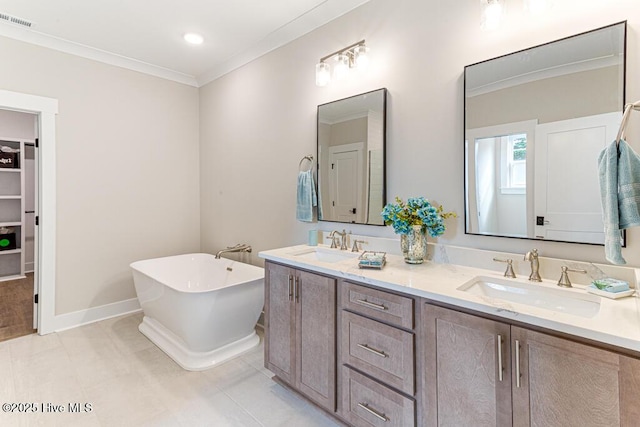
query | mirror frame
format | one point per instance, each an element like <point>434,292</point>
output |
<point>464,121</point>
<point>384,152</point>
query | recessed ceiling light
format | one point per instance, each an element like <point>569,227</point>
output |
<point>193,38</point>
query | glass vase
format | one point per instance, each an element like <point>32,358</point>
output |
<point>414,245</point>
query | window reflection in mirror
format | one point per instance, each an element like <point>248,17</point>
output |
<point>351,159</point>
<point>535,123</point>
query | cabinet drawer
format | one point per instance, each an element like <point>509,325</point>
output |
<point>380,305</point>
<point>367,403</point>
<point>382,351</point>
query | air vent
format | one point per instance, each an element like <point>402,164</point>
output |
<point>15,20</point>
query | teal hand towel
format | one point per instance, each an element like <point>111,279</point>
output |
<point>306,196</point>
<point>610,285</point>
<point>619,171</point>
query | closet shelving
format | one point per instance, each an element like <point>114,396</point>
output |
<point>12,212</point>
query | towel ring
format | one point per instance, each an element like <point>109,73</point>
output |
<point>310,158</point>
<point>625,117</point>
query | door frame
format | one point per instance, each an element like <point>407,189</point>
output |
<point>46,110</point>
<point>333,150</point>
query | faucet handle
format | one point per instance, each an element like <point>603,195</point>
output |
<point>355,245</point>
<point>333,240</point>
<point>564,276</point>
<point>509,271</point>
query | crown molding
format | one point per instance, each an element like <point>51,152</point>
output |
<point>77,49</point>
<point>323,13</point>
<point>294,29</point>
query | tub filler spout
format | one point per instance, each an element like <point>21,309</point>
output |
<point>240,247</point>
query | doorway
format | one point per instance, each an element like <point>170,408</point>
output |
<point>345,182</point>
<point>18,213</point>
<point>44,279</point>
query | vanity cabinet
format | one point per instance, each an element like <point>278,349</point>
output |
<point>573,384</point>
<point>377,355</point>
<point>300,312</point>
<point>485,372</point>
<point>464,382</point>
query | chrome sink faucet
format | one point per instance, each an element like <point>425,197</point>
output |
<point>564,281</point>
<point>509,271</point>
<point>532,256</point>
<point>343,239</point>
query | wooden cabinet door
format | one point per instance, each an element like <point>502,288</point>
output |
<point>279,322</point>
<point>464,355</point>
<point>629,391</point>
<point>563,383</point>
<point>315,335</point>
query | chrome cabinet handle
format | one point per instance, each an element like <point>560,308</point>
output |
<point>297,288</point>
<point>378,415</point>
<point>500,374</point>
<point>290,287</point>
<point>517,364</point>
<point>371,304</point>
<point>373,350</point>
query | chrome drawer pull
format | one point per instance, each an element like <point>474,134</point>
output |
<point>500,368</point>
<point>518,375</point>
<point>373,350</point>
<point>373,412</point>
<point>290,288</point>
<point>371,305</point>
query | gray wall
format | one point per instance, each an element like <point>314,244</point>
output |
<point>419,50</point>
<point>148,167</point>
<point>127,168</point>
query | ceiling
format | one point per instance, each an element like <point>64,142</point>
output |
<point>146,35</point>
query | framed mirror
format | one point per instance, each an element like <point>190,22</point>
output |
<point>535,122</point>
<point>351,159</point>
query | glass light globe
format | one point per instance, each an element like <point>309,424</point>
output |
<point>361,57</point>
<point>538,7</point>
<point>323,74</point>
<point>341,67</point>
<point>492,15</point>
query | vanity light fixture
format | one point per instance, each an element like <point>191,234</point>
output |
<point>361,56</point>
<point>537,7</point>
<point>352,56</point>
<point>193,38</point>
<point>492,11</point>
<point>323,74</point>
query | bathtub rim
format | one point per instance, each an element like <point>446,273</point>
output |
<point>258,272</point>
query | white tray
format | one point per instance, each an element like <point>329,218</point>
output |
<point>612,295</point>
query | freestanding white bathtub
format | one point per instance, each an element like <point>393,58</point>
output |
<point>199,310</point>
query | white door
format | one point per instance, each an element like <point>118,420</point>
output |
<point>345,180</point>
<point>31,219</point>
<point>567,197</point>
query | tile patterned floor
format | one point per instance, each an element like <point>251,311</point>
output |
<point>128,381</point>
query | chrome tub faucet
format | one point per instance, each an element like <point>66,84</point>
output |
<point>240,247</point>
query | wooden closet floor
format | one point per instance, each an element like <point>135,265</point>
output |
<point>16,308</point>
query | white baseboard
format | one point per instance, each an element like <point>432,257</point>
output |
<point>94,314</point>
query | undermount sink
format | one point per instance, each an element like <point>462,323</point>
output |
<point>536,295</point>
<point>325,254</point>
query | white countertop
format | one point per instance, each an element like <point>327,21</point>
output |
<point>617,321</point>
